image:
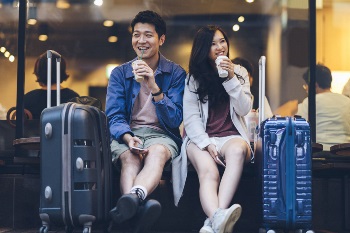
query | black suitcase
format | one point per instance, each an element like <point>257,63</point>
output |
<point>75,167</point>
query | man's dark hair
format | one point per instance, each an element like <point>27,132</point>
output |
<point>323,76</point>
<point>245,63</point>
<point>40,69</point>
<point>150,17</point>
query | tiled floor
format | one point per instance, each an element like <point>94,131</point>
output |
<point>6,230</point>
<point>36,231</point>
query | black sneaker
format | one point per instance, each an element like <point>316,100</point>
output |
<point>147,215</point>
<point>125,209</point>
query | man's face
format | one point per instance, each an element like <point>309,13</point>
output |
<point>146,38</point>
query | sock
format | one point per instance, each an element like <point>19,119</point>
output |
<point>140,191</point>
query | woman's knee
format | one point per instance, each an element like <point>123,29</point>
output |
<point>209,174</point>
<point>237,151</point>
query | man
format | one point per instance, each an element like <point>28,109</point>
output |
<point>147,115</point>
<point>332,110</point>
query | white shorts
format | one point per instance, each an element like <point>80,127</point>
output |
<point>219,142</point>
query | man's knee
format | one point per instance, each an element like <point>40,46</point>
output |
<point>128,158</point>
<point>159,152</point>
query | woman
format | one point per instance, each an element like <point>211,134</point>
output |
<point>214,108</point>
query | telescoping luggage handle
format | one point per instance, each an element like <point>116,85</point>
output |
<point>262,64</point>
<point>58,77</point>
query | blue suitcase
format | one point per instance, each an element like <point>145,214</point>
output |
<point>75,165</point>
<point>283,155</point>
<point>285,162</point>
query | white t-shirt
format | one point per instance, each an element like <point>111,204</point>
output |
<point>332,118</point>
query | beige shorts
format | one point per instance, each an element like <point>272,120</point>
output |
<point>149,137</point>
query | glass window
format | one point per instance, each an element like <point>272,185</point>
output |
<point>80,30</point>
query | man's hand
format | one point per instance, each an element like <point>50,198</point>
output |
<point>134,142</point>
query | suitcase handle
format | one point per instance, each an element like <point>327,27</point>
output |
<point>262,64</point>
<point>58,77</point>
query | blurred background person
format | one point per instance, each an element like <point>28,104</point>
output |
<point>250,68</point>
<point>332,110</point>
<point>36,100</point>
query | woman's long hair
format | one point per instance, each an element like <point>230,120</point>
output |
<point>203,69</point>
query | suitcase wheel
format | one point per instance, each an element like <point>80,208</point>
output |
<point>44,229</point>
<point>87,230</point>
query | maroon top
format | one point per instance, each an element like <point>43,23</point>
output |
<point>219,122</point>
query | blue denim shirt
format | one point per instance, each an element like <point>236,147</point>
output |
<point>122,91</point>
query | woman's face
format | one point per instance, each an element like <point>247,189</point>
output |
<point>218,46</point>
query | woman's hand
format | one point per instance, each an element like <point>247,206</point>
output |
<point>211,148</point>
<point>227,64</point>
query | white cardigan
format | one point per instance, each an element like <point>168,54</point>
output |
<point>196,116</point>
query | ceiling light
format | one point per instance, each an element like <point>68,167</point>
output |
<point>32,15</point>
<point>113,34</point>
<point>12,58</point>
<point>7,54</point>
<point>112,39</point>
<point>240,19</point>
<point>249,1</point>
<point>62,4</point>
<point>2,49</point>
<point>108,23</point>
<point>31,21</point>
<point>98,2</point>
<point>235,27</point>
<point>43,32</point>
<point>43,37</point>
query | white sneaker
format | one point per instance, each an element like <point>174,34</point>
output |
<point>207,227</point>
<point>225,219</point>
